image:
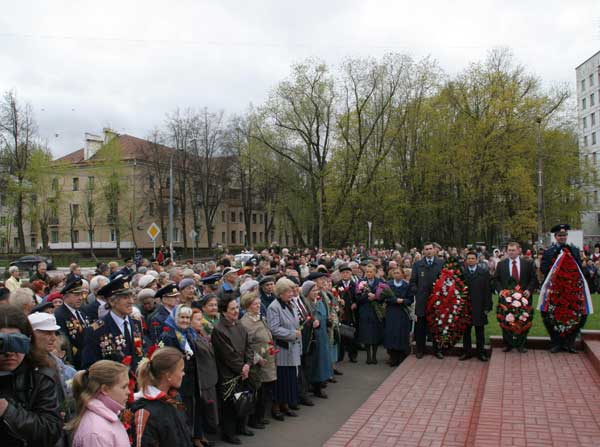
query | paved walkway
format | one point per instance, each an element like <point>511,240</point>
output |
<point>516,399</point>
<point>315,425</point>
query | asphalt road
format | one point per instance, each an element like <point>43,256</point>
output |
<point>315,425</point>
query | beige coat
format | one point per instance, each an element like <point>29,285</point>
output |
<point>259,338</point>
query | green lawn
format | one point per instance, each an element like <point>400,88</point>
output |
<point>538,329</point>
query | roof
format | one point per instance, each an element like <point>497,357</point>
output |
<point>587,60</point>
<point>73,157</point>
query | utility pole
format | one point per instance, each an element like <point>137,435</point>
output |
<point>540,185</point>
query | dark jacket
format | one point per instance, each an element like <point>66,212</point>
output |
<point>156,323</point>
<point>421,282</point>
<point>552,253</point>
<point>504,280</point>
<point>480,294</point>
<point>232,349</point>
<point>91,310</point>
<point>206,363</point>
<point>159,423</point>
<point>348,294</point>
<point>32,417</point>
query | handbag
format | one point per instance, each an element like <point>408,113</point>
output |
<point>347,332</point>
<point>243,401</point>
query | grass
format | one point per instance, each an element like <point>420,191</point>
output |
<point>538,329</point>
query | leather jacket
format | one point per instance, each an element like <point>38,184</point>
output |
<point>32,416</point>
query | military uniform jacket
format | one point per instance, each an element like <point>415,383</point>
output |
<point>107,342</point>
<point>550,255</point>
<point>74,330</point>
<point>421,281</point>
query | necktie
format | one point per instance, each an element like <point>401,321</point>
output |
<point>515,271</point>
<point>472,270</point>
<point>429,263</point>
<point>127,334</point>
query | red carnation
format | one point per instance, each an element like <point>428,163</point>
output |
<point>138,343</point>
<point>126,360</point>
<point>155,323</point>
<point>166,329</point>
<point>151,350</point>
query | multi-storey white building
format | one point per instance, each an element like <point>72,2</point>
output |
<point>588,112</point>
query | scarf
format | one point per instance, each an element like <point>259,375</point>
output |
<point>183,335</point>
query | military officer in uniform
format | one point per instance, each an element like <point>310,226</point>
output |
<point>424,274</point>
<point>561,232</point>
<point>117,336</point>
<point>169,296</point>
<point>72,320</point>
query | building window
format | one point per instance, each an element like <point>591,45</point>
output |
<point>75,183</point>
<point>241,217</point>
<point>75,236</point>
<point>592,100</point>
<point>54,236</point>
<point>176,234</point>
<point>254,237</point>
<point>233,216</point>
<point>593,119</point>
<point>582,84</point>
<point>585,141</point>
<point>593,138</point>
<point>260,236</point>
<point>253,218</point>
<point>90,235</point>
<point>113,235</point>
<point>591,79</point>
<point>585,122</point>
<point>151,181</point>
<point>223,237</point>
<point>261,221</point>
<point>90,183</point>
<point>241,237</point>
<point>223,216</point>
<point>33,243</point>
<point>55,184</point>
<point>583,103</point>
<point>594,159</point>
<point>233,237</point>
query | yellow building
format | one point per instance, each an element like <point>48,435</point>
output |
<point>142,169</point>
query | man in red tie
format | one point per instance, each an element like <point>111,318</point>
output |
<point>512,271</point>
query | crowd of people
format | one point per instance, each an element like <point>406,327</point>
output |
<point>149,352</point>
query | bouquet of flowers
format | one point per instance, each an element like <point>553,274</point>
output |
<point>565,296</point>
<point>448,307</point>
<point>515,315</point>
<point>378,308</point>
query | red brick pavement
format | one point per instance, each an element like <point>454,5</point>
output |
<point>533,400</point>
<point>426,402</point>
<point>514,400</point>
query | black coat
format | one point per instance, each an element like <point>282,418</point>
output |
<point>370,329</point>
<point>348,294</point>
<point>158,423</point>
<point>397,318</point>
<point>504,280</point>
<point>232,349</point>
<point>206,363</point>
<point>75,332</point>
<point>480,294</point>
<point>32,417</point>
<point>421,281</point>
<point>91,310</point>
<point>156,323</point>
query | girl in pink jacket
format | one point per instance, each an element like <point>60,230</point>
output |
<point>101,393</point>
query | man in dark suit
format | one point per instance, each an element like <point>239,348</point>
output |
<point>561,233</point>
<point>116,335</point>
<point>346,290</point>
<point>510,272</point>
<point>424,274</point>
<point>72,320</point>
<point>478,281</point>
<point>92,308</point>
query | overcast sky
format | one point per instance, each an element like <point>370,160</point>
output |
<point>84,65</point>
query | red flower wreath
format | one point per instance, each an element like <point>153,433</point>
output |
<point>448,307</point>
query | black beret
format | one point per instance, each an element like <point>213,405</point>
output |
<point>74,286</point>
<point>42,307</point>
<point>167,291</point>
<point>118,286</point>
<point>314,275</point>
<point>266,279</point>
<point>560,228</point>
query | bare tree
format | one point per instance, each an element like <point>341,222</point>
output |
<point>17,132</point>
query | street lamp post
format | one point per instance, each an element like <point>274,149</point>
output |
<point>171,205</point>
<point>540,185</point>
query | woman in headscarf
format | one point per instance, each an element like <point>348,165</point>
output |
<point>181,336</point>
